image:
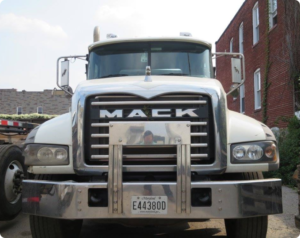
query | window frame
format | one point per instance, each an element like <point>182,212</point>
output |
<point>272,13</point>
<point>37,110</point>
<point>21,110</point>
<point>241,38</point>
<point>242,96</point>
<point>257,89</point>
<point>255,21</point>
<point>231,45</point>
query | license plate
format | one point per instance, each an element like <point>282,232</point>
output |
<point>149,204</point>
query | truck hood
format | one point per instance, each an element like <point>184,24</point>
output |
<point>241,128</point>
<point>160,84</point>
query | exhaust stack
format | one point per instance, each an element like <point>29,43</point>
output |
<point>96,34</point>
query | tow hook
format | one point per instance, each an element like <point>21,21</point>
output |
<point>18,178</point>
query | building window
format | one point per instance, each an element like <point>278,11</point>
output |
<point>19,110</point>
<point>231,45</point>
<point>242,98</point>
<point>257,89</point>
<point>273,13</point>
<point>40,110</point>
<point>241,38</point>
<point>255,15</point>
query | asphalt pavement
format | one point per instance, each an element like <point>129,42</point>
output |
<point>280,226</point>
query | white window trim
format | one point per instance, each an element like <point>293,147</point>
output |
<point>272,13</point>
<point>255,20</point>
<point>257,88</point>
<point>18,110</point>
<point>242,95</point>
<point>37,109</point>
<point>231,46</point>
<point>241,38</point>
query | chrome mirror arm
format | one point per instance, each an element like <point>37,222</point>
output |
<point>220,54</point>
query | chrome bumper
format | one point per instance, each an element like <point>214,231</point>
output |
<point>229,199</point>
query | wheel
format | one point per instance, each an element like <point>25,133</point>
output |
<point>12,171</point>
<point>254,227</point>
<point>44,227</point>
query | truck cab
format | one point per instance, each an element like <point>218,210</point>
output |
<point>150,140</point>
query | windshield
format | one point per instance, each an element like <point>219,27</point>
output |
<point>164,58</point>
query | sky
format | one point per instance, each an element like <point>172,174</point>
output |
<point>33,34</point>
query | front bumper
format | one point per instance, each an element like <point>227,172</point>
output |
<point>229,199</point>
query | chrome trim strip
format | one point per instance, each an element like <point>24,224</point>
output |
<point>99,135</point>
<point>100,157</point>
<point>148,146</point>
<point>149,156</point>
<point>99,146</point>
<point>110,183</point>
<point>115,179</point>
<point>100,124</point>
<point>183,179</point>
<point>188,179</point>
<point>115,97</point>
<point>199,134</point>
<point>179,180</point>
<point>181,96</point>
<point>149,168</point>
<point>120,179</point>
<point>115,183</point>
<point>198,123</point>
<point>146,103</point>
<point>199,145</point>
<point>164,96</point>
<point>199,155</point>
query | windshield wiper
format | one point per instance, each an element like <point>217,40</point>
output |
<point>114,75</point>
<point>174,74</point>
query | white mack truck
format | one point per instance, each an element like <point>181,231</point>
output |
<point>149,140</point>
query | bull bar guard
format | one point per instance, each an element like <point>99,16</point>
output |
<point>228,199</point>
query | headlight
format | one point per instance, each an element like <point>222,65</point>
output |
<point>45,153</point>
<point>254,152</point>
<point>39,154</point>
<point>239,152</point>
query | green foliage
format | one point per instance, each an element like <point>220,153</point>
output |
<point>267,69</point>
<point>25,117</point>
<point>289,150</point>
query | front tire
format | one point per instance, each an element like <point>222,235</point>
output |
<point>254,227</point>
<point>11,172</point>
<point>44,227</point>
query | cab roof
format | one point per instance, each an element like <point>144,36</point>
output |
<point>124,40</point>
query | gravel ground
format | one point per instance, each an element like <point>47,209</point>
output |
<point>280,226</point>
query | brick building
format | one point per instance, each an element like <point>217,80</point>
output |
<point>44,102</point>
<point>267,32</point>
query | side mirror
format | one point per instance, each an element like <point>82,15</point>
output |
<point>236,70</point>
<point>64,73</point>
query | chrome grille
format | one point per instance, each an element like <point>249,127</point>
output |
<point>97,129</point>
